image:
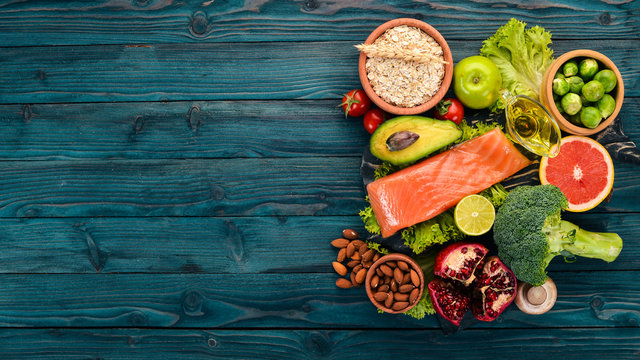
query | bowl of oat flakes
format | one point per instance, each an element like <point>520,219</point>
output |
<point>405,66</point>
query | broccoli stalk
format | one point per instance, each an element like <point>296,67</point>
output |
<point>529,233</point>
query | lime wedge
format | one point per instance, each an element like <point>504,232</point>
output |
<point>474,215</point>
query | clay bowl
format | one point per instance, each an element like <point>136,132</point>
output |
<point>448,71</point>
<point>393,257</point>
<point>546,92</point>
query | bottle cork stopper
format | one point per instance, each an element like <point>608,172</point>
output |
<point>536,300</point>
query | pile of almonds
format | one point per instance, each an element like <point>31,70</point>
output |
<point>356,255</point>
<point>395,285</point>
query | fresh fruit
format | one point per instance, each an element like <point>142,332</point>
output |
<point>458,262</point>
<point>583,170</point>
<point>355,103</point>
<point>449,109</point>
<point>406,139</point>
<point>474,215</point>
<point>372,119</point>
<point>488,290</point>
<point>476,82</point>
<point>494,289</point>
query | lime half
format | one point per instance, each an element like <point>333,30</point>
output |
<point>474,215</point>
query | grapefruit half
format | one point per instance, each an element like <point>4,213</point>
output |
<point>583,170</point>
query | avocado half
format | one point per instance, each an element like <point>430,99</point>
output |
<point>406,139</point>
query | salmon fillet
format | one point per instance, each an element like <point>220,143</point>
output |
<point>428,188</point>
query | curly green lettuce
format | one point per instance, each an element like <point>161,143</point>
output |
<point>437,230</point>
<point>521,55</point>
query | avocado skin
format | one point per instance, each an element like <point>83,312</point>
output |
<point>434,135</point>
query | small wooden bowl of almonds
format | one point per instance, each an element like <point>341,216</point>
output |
<point>395,283</point>
<point>405,66</point>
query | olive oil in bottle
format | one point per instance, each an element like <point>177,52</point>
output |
<point>531,125</point>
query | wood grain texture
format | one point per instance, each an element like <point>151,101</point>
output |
<point>133,344</point>
<point>282,70</point>
<point>142,21</point>
<point>201,129</point>
<point>585,299</point>
<point>230,245</point>
<point>209,187</point>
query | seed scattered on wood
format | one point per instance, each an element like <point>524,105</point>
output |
<point>343,283</point>
<point>342,255</point>
<point>339,268</point>
<point>340,243</point>
<point>350,234</point>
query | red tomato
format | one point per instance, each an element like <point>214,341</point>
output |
<point>372,119</point>
<point>355,103</point>
<point>449,109</point>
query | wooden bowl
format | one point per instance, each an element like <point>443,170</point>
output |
<point>393,257</point>
<point>448,70</point>
<point>546,92</point>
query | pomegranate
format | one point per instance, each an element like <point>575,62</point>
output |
<point>459,261</point>
<point>494,289</point>
<point>465,280</point>
<point>449,299</point>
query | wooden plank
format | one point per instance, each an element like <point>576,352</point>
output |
<point>206,187</point>
<point>141,21</point>
<point>228,129</point>
<point>230,245</point>
<point>222,129</point>
<point>585,299</point>
<point>133,344</point>
<point>282,70</point>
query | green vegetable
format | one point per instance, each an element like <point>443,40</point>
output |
<point>590,117</point>
<point>560,86</point>
<point>570,68</point>
<point>593,90</point>
<point>369,219</point>
<point>571,103</point>
<point>496,194</point>
<point>437,230</point>
<point>559,75</point>
<point>606,105</point>
<point>607,78</point>
<point>587,68</point>
<point>529,233</point>
<point>522,56</point>
<point>575,84</point>
<point>377,247</point>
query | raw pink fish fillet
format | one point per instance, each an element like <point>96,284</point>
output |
<point>426,189</point>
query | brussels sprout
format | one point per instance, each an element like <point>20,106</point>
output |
<point>606,105</point>
<point>559,75</point>
<point>590,117</point>
<point>559,106</point>
<point>593,90</point>
<point>607,78</point>
<point>570,68</point>
<point>588,67</point>
<point>574,119</point>
<point>571,103</point>
<point>575,84</point>
<point>560,86</point>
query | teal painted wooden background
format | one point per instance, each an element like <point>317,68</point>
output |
<point>171,174</point>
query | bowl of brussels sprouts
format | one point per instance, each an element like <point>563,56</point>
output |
<point>583,90</point>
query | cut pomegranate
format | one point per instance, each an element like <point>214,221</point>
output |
<point>450,300</point>
<point>494,289</point>
<point>465,280</point>
<point>459,261</point>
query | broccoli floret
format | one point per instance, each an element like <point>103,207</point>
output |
<point>495,194</point>
<point>529,233</point>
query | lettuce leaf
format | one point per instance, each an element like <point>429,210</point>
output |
<point>522,56</point>
<point>437,230</point>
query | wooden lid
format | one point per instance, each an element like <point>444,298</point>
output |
<point>536,300</point>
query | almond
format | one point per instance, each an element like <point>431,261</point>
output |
<point>357,268</point>
<point>391,264</point>
<point>367,264</point>
<point>406,279</point>
<point>353,280</point>
<point>413,297</point>
<point>389,301</point>
<point>343,283</point>
<point>375,281</point>
<point>353,263</point>
<point>356,256</point>
<point>363,249</point>
<point>383,288</point>
<point>393,286</point>
<point>380,296</point>
<point>400,297</point>
<point>400,305</point>
<point>398,275</point>
<point>379,272</point>
<point>342,254</point>
<point>368,255</point>
<point>406,288</point>
<point>340,243</point>
<point>415,278</point>
<point>403,265</point>
<point>358,243</point>
<point>350,234</point>
<point>386,270</point>
<point>350,249</point>
<point>339,268</point>
<point>376,257</point>
<point>360,276</point>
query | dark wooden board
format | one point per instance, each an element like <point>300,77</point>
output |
<point>208,187</point>
<point>221,129</point>
<point>142,21</point>
<point>585,299</point>
<point>171,344</point>
<point>230,245</point>
<point>227,71</point>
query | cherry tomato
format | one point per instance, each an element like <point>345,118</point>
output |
<point>449,109</point>
<point>372,119</point>
<point>355,103</point>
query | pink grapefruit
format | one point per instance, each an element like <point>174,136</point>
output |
<point>583,170</point>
